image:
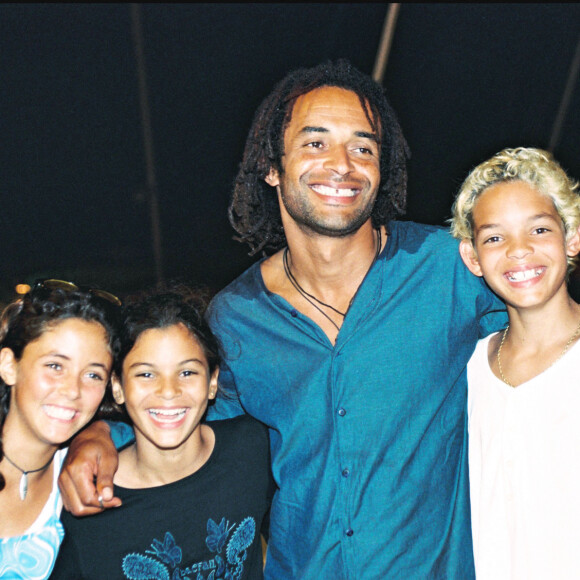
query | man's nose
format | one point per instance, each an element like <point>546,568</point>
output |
<point>339,160</point>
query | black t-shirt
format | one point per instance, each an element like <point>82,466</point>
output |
<point>205,526</point>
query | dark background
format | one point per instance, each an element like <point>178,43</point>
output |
<point>465,79</point>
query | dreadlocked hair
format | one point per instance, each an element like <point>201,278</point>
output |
<point>254,212</point>
<point>26,319</point>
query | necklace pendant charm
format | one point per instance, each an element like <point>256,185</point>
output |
<point>23,486</point>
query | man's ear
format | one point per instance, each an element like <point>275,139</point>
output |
<point>8,366</point>
<point>213,384</point>
<point>469,256</point>
<point>573,244</point>
<point>117,390</point>
<point>273,178</point>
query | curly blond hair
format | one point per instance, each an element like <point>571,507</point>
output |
<point>537,168</point>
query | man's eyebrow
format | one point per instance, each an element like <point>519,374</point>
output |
<point>362,134</point>
<point>309,129</point>
<point>366,135</point>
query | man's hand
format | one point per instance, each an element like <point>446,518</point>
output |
<point>91,456</point>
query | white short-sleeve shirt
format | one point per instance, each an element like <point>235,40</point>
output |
<point>524,469</point>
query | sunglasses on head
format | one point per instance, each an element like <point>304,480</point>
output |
<point>53,284</point>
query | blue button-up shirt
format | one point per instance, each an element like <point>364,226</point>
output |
<point>368,435</point>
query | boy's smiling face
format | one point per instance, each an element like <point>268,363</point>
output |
<point>519,244</point>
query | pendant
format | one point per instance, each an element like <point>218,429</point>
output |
<point>23,485</point>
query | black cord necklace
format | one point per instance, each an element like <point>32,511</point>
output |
<point>23,488</point>
<point>310,297</point>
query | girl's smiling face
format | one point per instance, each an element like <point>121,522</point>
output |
<point>166,387</point>
<point>58,383</point>
<point>519,246</point>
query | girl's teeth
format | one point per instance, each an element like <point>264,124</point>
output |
<point>59,412</point>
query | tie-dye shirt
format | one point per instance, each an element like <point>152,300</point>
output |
<point>32,554</point>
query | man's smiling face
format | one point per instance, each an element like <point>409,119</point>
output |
<point>330,166</point>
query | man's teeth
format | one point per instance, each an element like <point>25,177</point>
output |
<point>59,412</point>
<point>332,192</point>
<point>167,414</point>
<point>525,275</point>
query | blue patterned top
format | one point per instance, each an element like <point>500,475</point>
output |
<point>32,555</point>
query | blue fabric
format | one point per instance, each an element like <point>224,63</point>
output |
<point>368,437</point>
<point>121,433</point>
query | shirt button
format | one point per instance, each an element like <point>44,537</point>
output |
<point>345,472</point>
<point>349,532</point>
<point>294,313</point>
<point>342,412</point>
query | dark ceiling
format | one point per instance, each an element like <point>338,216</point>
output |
<point>465,79</point>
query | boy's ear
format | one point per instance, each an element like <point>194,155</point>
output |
<point>573,244</point>
<point>8,366</point>
<point>213,384</point>
<point>117,390</point>
<point>469,257</point>
<point>273,178</point>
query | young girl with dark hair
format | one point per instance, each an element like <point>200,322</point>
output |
<point>57,345</point>
<point>195,495</point>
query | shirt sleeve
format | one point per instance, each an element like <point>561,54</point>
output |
<point>227,403</point>
<point>121,433</point>
<point>494,314</point>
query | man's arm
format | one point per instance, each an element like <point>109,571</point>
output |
<point>494,318</point>
<point>86,479</point>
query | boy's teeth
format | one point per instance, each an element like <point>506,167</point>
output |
<point>332,192</point>
<point>59,412</point>
<point>525,275</point>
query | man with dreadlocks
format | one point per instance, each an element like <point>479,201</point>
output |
<point>349,341</point>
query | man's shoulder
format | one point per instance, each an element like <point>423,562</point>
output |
<point>411,229</point>
<point>417,237</point>
<point>248,279</point>
<point>245,287</point>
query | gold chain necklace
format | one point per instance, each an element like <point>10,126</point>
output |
<point>576,332</point>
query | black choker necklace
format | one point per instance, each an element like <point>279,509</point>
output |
<point>310,297</point>
<point>24,479</point>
